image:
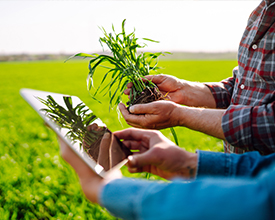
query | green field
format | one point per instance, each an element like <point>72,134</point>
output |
<point>35,183</point>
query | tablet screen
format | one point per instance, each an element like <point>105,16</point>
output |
<point>76,124</point>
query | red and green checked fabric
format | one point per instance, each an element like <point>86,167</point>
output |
<point>249,95</point>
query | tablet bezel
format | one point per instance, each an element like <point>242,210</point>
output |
<point>30,95</point>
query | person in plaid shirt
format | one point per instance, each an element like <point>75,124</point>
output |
<point>238,110</point>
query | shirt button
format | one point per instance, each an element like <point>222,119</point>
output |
<point>254,46</point>
<point>242,86</point>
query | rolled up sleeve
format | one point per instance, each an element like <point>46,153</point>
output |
<point>222,91</point>
<point>251,127</point>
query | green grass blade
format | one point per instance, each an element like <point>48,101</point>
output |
<point>175,136</point>
<point>84,55</point>
<point>150,40</point>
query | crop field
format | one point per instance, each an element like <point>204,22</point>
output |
<point>35,183</point>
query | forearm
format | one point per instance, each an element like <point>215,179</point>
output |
<point>204,120</point>
<point>197,95</point>
<point>199,199</point>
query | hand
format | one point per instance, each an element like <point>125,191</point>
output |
<point>91,182</point>
<point>170,86</point>
<point>181,91</point>
<point>154,115</point>
<point>157,155</point>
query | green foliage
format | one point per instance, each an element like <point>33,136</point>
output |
<point>126,65</point>
<point>75,119</point>
<point>35,182</point>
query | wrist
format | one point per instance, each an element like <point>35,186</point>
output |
<point>92,188</point>
<point>197,95</point>
<point>192,165</point>
<point>179,113</point>
<point>188,165</point>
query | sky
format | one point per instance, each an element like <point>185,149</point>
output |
<point>70,27</point>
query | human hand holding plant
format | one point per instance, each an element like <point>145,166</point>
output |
<point>171,87</point>
<point>154,115</point>
<point>180,91</point>
<point>125,65</point>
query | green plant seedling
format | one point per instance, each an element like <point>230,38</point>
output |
<point>76,120</point>
<point>125,65</point>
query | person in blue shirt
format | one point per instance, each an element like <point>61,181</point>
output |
<point>202,185</point>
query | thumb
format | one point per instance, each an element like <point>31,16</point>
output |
<point>104,148</point>
<point>140,160</point>
<point>140,108</point>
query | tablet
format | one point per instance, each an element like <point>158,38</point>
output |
<point>76,124</point>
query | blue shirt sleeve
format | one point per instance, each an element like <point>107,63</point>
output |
<point>205,198</point>
<point>232,165</point>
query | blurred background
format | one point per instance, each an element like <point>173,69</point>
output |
<point>46,27</point>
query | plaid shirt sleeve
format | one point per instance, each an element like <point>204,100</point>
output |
<point>251,128</point>
<point>222,91</point>
<point>249,96</point>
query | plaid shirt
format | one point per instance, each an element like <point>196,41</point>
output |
<point>249,96</point>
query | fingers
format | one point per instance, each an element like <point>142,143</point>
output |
<point>142,115</point>
<point>127,91</point>
<point>129,86</point>
<point>129,118</point>
<point>156,79</point>
<point>139,161</point>
<point>104,151</point>
<point>139,139</point>
<point>136,145</point>
<point>135,134</point>
<point>133,140</point>
<point>142,108</point>
<point>137,109</point>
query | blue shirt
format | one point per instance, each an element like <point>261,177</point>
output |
<point>243,188</point>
